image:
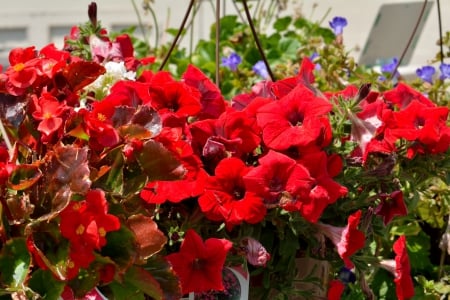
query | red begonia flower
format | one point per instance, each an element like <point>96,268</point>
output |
<point>391,205</point>
<point>294,120</point>
<point>22,71</point>
<point>348,239</point>
<point>335,290</point>
<point>278,177</point>
<point>48,110</point>
<point>213,103</point>
<point>199,264</point>
<point>226,199</point>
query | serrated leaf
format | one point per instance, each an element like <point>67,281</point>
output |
<point>14,263</point>
<point>164,274</point>
<point>121,291</point>
<point>24,176</point>
<point>150,240</point>
<point>144,281</point>
<point>158,163</point>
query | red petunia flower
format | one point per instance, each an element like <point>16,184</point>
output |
<point>278,177</point>
<point>294,120</point>
<point>391,205</point>
<point>403,280</point>
<point>335,290</point>
<point>199,264</point>
<point>401,269</point>
<point>226,199</point>
<point>213,103</point>
<point>424,125</point>
<point>193,181</point>
<point>402,95</point>
<point>347,240</point>
<point>324,190</point>
<point>233,134</point>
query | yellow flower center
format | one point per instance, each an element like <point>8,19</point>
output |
<point>102,231</point>
<point>80,229</point>
<point>19,67</point>
<point>101,117</point>
<point>47,115</point>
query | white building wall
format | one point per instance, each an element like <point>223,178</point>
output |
<point>38,22</point>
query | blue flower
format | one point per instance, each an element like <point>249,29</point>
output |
<point>312,57</point>
<point>338,24</point>
<point>389,67</point>
<point>426,73</point>
<point>260,69</point>
<point>232,61</point>
<point>445,71</point>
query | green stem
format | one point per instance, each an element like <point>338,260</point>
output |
<point>217,42</point>
<point>155,21</point>
<point>141,24</point>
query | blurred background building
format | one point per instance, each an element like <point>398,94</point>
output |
<point>30,22</point>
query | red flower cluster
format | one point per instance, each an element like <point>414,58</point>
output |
<point>85,224</point>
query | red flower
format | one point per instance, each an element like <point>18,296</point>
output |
<point>402,95</point>
<point>324,190</point>
<point>403,280</point>
<point>335,290</point>
<point>49,111</point>
<point>294,120</point>
<point>278,177</point>
<point>401,269</point>
<point>233,134</point>
<point>424,125</point>
<point>85,224</point>
<point>226,199</point>
<point>22,72</point>
<point>391,205</point>
<point>169,96</point>
<point>193,181</point>
<point>213,103</point>
<point>347,239</point>
<point>199,264</point>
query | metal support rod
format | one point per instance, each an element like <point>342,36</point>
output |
<point>180,30</point>
<point>255,36</point>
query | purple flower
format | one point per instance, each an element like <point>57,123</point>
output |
<point>338,24</point>
<point>260,69</point>
<point>389,68</point>
<point>445,71</point>
<point>426,73</point>
<point>232,61</point>
<point>312,57</point>
<point>256,254</point>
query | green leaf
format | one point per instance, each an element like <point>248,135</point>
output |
<point>282,23</point>
<point>144,281</point>
<point>115,175</point>
<point>158,163</point>
<point>163,273</point>
<point>121,291</point>
<point>119,246</point>
<point>14,263</point>
<point>24,176</point>
<point>45,284</point>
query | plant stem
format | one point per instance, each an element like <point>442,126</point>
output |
<point>255,36</point>
<point>413,33</point>
<point>141,24</point>
<point>217,42</point>
<point>155,21</point>
<point>6,139</point>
